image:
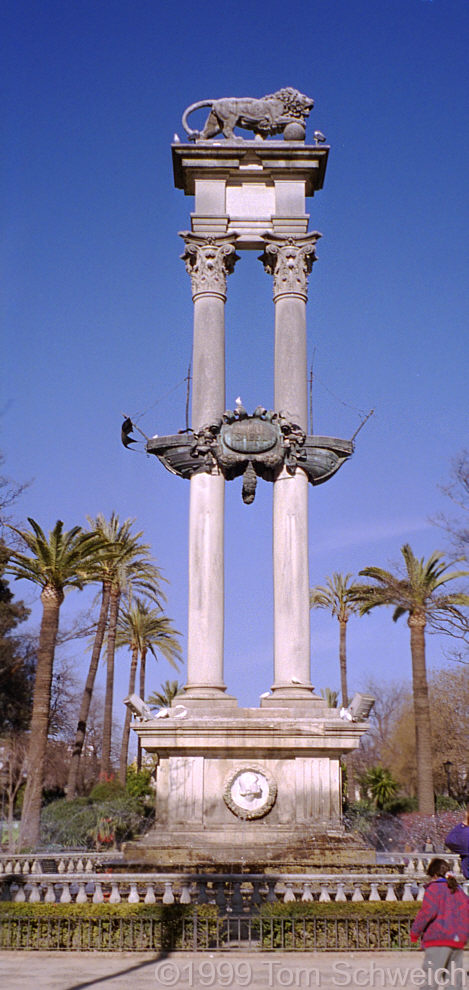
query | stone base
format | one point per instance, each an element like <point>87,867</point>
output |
<point>254,789</point>
<point>259,850</point>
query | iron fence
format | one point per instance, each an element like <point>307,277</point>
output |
<point>196,934</point>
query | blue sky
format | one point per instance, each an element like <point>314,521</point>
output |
<point>97,311</point>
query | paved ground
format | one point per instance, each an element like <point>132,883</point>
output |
<point>184,970</point>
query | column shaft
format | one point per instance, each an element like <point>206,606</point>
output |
<point>290,260</point>
<point>208,261</point>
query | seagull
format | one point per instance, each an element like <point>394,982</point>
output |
<point>266,694</point>
<point>180,714</point>
<point>239,408</point>
<point>296,680</point>
<point>163,713</point>
<point>176,139</point>
<point>319,137</point>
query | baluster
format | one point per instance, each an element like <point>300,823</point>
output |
<point>271,898</point>
<point>420,865</point>
<point>407,894</point>
<point>168,896</point>
<point>256,896</point>
<point>20,895</point>
<point>36,867</point>
<point>237,897</point>
<point>150,895</point>
<point>66,896</point>
<point>89,866</point>
<point>71,866</point>
<point>35,895</point>
<point>98,896</point>
<point>324,894</point>
<point>307,894</point>
<point>50,894</point>
<point>220,896</point>
<point>81,897</point>
<point>340,893</point>
<point>289,894</point>
<point>202,897</point>
<point>421,892</point>
<point>80,867</point>
<point>374,892</point>
<point>185,897</point>
<point>133,897</point>
<point>17,868</point>
<point>61,867</point>
<point>115,897</point>
<point>357,893</point>
<point>9,867</point>
<point>25,869</point>
<point>2,866</point>
<point>390,893</point>
<point>410,868</point>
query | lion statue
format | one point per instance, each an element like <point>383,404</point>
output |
<point>269,115</point>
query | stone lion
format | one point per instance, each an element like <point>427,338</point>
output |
<point>269,115</point>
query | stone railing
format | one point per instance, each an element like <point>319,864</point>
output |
<point>49,862</point>
<point>417,862</point>
<point>229,892</point>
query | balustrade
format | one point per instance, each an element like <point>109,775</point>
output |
<point>233,893</point>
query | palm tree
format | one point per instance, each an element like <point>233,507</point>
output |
<point>163,698</point>
<point>418,594</point>
<point>132,570</point>
<point>336,596</point>
<point>143,629</point>
<point>330,696</point>
<point>380,785</point>
<point>57,562</point>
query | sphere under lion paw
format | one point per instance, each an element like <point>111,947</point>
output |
<point>294,132</point>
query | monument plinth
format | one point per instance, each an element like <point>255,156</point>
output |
<point>249,785</point>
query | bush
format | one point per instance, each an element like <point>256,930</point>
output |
<point>341,926</point>
<point>114,927</point>
<point>106,790</point>
<point>78,823</point>
<point>138,783</point>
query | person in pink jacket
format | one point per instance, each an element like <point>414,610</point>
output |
<point>442,924</point>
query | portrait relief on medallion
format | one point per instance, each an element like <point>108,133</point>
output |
<point>250,791</point>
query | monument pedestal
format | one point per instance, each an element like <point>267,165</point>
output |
<point>249,787</point>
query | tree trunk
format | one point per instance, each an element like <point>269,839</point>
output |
<point>143,663</point>
<point>88,693</point>
<point>108,699</point>
<point>423,731</point>
<point>343,660</point>
<point>51,599</point>
<point>126,730</point>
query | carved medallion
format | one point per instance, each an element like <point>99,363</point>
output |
<point>250,436</point>
<point>250,791</point>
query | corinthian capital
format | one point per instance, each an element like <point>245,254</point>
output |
<point>289,260</point>
<point>208,261</point>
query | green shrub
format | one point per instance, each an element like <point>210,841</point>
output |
<point>105,926</point>
<point>138,783</point>
<point>76,824</point>
<point>106,790</point>
<point>344,926</point>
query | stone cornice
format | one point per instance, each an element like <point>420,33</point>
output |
<point>271,160</point>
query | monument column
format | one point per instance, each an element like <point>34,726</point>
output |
<point>208,261</point>
<point>290,261</point>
